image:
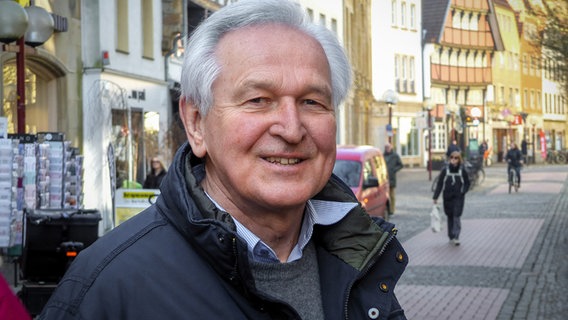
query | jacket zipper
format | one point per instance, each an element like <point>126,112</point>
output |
<point>368,267</point>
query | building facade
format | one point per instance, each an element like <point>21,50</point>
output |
<point>397,65</point>
<point>461,38</point>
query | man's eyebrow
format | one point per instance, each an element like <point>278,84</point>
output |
<point>322,89</point>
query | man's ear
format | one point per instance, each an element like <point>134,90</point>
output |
<point>193,124</point>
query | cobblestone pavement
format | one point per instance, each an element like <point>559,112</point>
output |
<point>513,259</point>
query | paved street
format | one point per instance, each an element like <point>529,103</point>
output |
<point>513,261</point>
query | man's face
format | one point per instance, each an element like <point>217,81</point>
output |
<point>270,136</point>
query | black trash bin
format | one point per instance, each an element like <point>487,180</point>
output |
<point>52,239</point>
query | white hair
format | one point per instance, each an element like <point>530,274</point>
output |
<point>200,68</point>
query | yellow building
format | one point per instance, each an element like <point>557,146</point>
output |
<point>358,106</point>
<point>506,105</point>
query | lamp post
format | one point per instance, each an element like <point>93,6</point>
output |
<point>32,26</point>
<point>390,98</point>
<point>428,105</point>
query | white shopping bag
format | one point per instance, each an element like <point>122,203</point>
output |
<point>435,219</point>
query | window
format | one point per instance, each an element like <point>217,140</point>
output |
<point>474,22</point>
<point>456,19</point>
<point>147,29</point>
<point>403,14</point>
<point>462,60</point>
<point>322,20</point>
<point>454,58</point>
<point>311,14</point>
<point>408,136</point>
<point>413,16</point>
<point>511,97</point>
<point>120,143</point>
<point>396,66</point>
<point>465,22</point>
<point>393,12</point>
<point>334,26</point>
<point>411,86</point>
<point>439,137</point>
<point>403,67</point>
<point>403,70</point>
<point>122,26</point>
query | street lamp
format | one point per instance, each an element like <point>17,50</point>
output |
<point>32,26</point>
<point>428,105</point>
<point>390,98</point>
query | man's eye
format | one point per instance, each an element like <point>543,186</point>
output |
<point>258,100</point>
<point>316,104</point>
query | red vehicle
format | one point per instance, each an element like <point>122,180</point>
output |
<point>363,168</point>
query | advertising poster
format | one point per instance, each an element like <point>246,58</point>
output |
<point>129,202</point>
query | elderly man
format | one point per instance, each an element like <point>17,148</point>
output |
<point>250,223</point>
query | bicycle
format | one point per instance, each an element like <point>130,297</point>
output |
<point>513,179</point>
<point>554,156</point>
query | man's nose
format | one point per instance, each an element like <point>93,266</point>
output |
<point>288,122</point>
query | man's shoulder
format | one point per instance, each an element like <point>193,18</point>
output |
<point>126,238</point>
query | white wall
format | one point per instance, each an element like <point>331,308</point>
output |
<point>389,40</point>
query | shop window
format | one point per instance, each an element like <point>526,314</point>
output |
<point>408,136</point>
<point>128,143</point>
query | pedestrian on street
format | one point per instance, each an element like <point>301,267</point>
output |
<point>394,164</point>
<point>524,150</point>
<point>454,183</point>
<point>250,223</point>
<point>452,147</point>
<point>514,159</point>
<point>156,174</point>
<point>482,149</point>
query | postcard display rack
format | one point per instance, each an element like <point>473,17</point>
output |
<point>39,171</point>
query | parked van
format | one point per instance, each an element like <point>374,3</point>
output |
<point>363,168</point>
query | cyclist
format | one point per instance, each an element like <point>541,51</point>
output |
<point>514,160</point>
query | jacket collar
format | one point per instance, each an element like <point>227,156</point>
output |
<point>356,239</point>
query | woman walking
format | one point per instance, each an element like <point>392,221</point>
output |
<point>455,183</point>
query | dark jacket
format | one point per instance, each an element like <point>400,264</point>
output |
<point>182,259</point>
<point>454,183</point>
<point>153,181</point>
<point>514,157</point>
<point>452,148</point>
<point>394,164</point>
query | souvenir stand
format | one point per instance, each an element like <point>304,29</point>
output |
<point>43,225</point>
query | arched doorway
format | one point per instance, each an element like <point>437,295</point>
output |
<point>44,95</point>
